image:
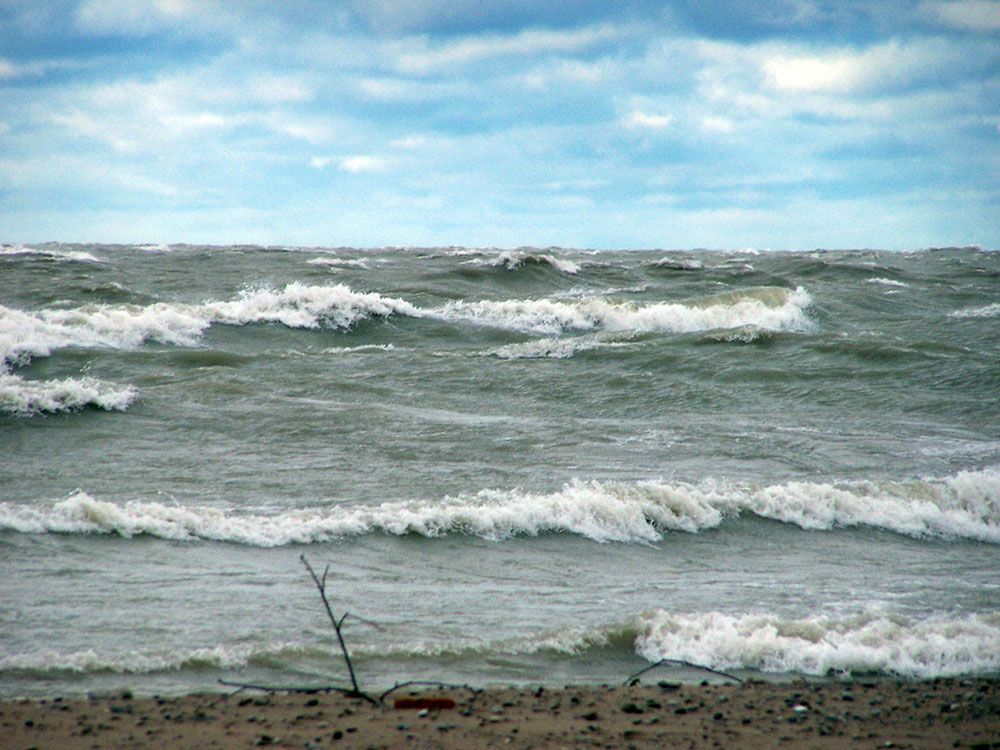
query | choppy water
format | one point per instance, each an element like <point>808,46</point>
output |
<point>533,465</point>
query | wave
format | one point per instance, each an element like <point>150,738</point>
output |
<point>986,311</point>
<point>866,642</point>
<point>937,646</point>
<point>24,335</point>
<point>514,259</point>
<point>72,255</point>
<point>769,308</point>
<point>749,334</point>
<point>341,262</point>
<point>966,505</point>
<point>554,348</point>
<point>678,264</point>
<point>886,282</point>
<point>29,397</point>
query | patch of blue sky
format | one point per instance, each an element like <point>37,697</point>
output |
<point>793,123</point>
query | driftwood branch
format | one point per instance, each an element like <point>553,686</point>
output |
<point>411,683</point>
<point>304,690</point>
<point>337,625</point>
<point>680,662</point>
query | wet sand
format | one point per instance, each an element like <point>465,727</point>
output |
<point>868,714</point>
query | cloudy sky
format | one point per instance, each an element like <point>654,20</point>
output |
<point>584,123</point>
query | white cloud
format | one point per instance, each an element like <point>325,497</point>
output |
<point>523,44</point>
<point>562,72</point>
<point>968,15</point>
<point>143,17</point>
<point>278,90</point>
<point>389,89</point>
<point>321,162</point>
<point>848,70</point>
<point>410,141</point>
<point>7,69</point>
<point>362,163</point>
<point>637,120</point>
<point>721,125</point>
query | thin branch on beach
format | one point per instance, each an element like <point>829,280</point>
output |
<point>632,680</point>
<point>410,683</point>
<point>304,690</point>
<point>337,623</point>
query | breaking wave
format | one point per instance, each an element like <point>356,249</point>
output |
<point>340,262</point>
<point>514,259</point>
<point>986,311</point>
<point>46,252</point>
<point>769,308</point>
<point>966,505</point>
<point>678,264</point>
<point>868,642</point>
<point>29,397</point>
<point>30,334</point>
<point>554,348</point>
<point>886,282</point>
<point>25,335</point>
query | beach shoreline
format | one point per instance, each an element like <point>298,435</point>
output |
<point>948,712</point>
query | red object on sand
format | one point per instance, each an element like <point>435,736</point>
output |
<point>433,704</point>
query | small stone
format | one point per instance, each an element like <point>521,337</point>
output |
<point>632,708</point>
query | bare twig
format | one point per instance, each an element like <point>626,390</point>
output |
<point>682,663</point>
<point>410,683</point>
<point>349,692</point>
<point>337,624</point>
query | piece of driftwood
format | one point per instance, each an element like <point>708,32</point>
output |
<point>337,625</point>
<point>633,679</point>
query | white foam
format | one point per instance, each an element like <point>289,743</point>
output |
<point>156,248</point>
<point>986,311</point>
<point>886,282</point>
<point>769,308</point>
<point>32,334</point>
<point>553,348</point>
<point>340,262</point>
<point>966,505</point>
<point>361,348</point>
<point>678,264</point>
<point>29,397</point>
<point>72,255</point>
<point>514,259</point>
<point>742,334</point>
<point>230,656</point>
<point>869,642</point>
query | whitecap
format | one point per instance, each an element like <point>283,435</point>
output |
<point>935,646</point>
<point>966,505</point>
<point>986,311</point>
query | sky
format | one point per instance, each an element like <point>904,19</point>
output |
<point>780,124</point>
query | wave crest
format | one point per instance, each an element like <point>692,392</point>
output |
<point>768,308</point>
<point>966,505</point>
<point>29,397</point>
<point>868,642</point>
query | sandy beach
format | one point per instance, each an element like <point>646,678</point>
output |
<point>873,714</point>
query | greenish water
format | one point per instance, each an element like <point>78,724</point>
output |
<point>534,465</point>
